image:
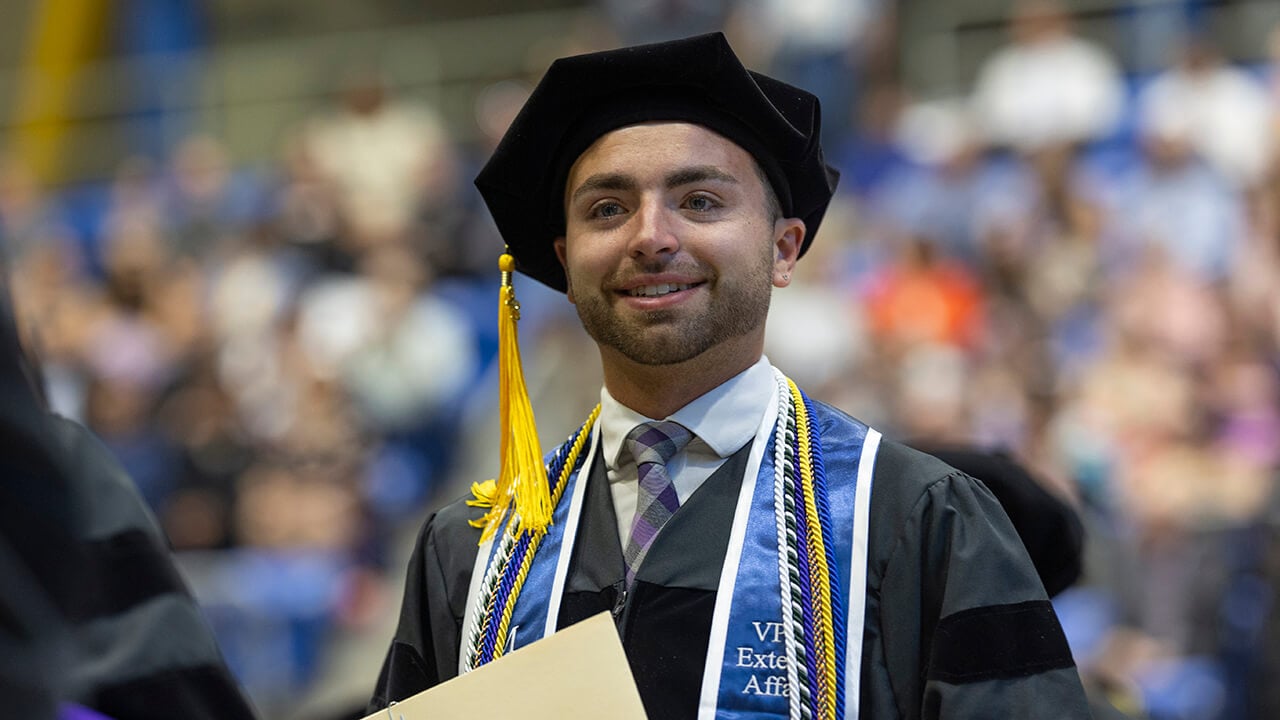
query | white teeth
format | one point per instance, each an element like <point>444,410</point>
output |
<point>656,290</point>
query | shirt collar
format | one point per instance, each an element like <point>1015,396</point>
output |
<point>724,419</point>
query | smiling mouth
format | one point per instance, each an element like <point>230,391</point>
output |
<point>659,290</point>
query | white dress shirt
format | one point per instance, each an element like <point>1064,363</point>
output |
<point>722,421</point>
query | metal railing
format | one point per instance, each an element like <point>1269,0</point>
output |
<point>249,95</point>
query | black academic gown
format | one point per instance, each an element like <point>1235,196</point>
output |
<point>957,623</point>
<point>92,608</point>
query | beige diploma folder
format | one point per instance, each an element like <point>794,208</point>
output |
<point>578,672</point>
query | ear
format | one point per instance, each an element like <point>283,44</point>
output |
<point>561,254</point>
<point>788,234</point>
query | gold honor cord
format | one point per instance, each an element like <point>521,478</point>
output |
<point>824,641</point>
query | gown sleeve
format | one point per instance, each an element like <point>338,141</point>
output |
<point>959,625</point>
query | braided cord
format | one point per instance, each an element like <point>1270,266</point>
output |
<point>487,597</point>
<point>493,639</point>
<point>838,618</point>
<point>809,658</point>
<point>505,577</point>
<point>784,512</point>
<point>509,606</point>
<point>816,550</point>
<point>802,606</point>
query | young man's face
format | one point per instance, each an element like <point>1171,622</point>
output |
<point>671,249</point>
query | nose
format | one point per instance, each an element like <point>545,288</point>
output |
<point>654,234</point>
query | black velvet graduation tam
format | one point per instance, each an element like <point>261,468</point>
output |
<point>698,80</point>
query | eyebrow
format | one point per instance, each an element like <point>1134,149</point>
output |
<point>604,181</point>
<point>699,173</point>
<point>683,176</point>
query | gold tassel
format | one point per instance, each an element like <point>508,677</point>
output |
<point>523,476</point>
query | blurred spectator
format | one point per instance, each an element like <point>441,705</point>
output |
<point>1067,273</point>
<point>1245,397</point>
<point>1221,112</point>
<point>28,217</point>
<point>1049,86</point>
<point>419,353</point>
<point>199,420</point>
<point>923,299</point>
<point>375,150</point>
<point>817,45</point>
<point>56,304</point>
<point>438,232</point>
<point>470,252</point>
<point>277,599</point>
<point>405,358</point>
<point>144,329</point>
<point>1172,311</point>
<point>1254,283</point>
<point>122,413</point>
<point>135,195</point>
<point>307,220</point>
<point>207,204</point>
<point>1176,206</point>
<point>945,189</point>
<point>871,152</point>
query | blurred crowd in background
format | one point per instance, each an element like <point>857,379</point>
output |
<point>1073,262</point>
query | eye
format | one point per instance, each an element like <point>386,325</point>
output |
<point>606,209</point>
<point>701,203</point>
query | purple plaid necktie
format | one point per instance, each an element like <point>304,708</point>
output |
<point>652,444</point>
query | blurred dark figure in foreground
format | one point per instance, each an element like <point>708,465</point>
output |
<point>94,618</point>
<point>1049,527</point>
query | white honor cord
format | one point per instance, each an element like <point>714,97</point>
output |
<point>483,574</point>
<point>858,574</point>
<point>780,511</point>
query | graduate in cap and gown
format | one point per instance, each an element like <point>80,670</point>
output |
<point>762,554</point>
